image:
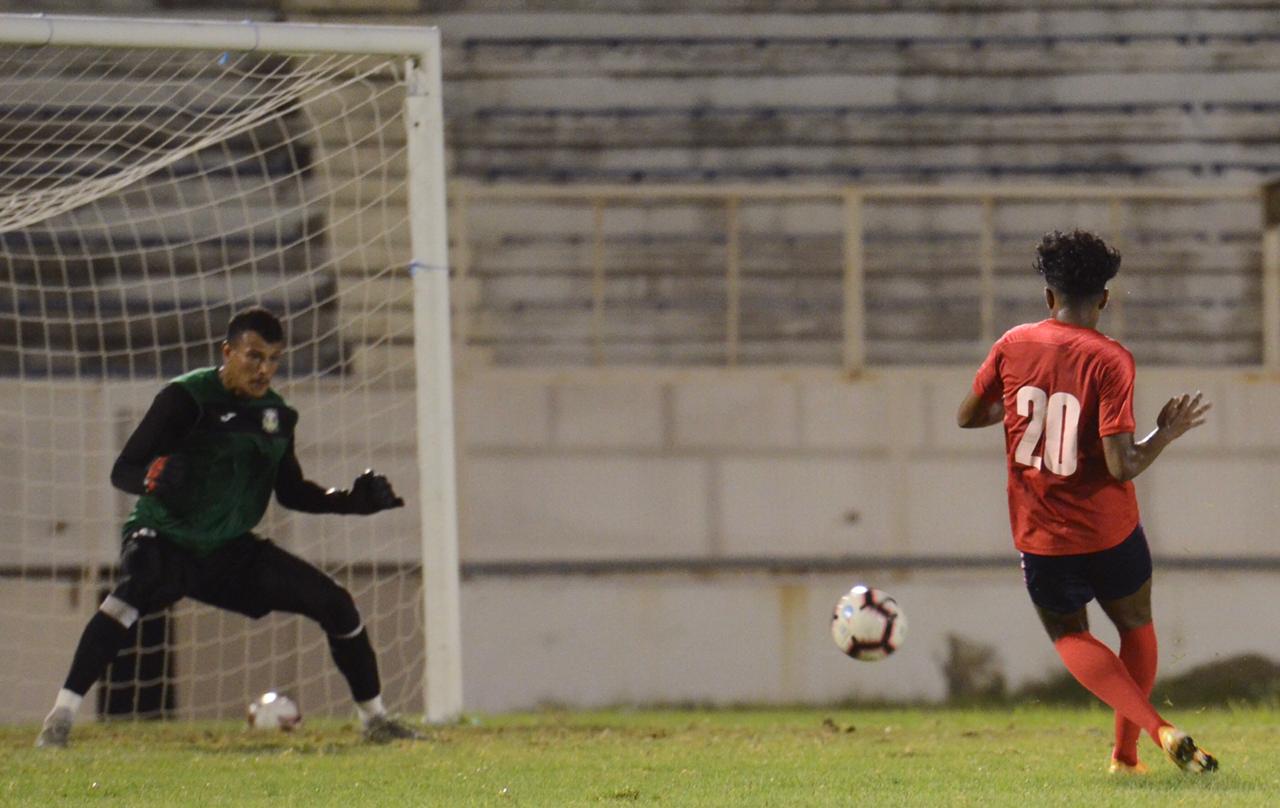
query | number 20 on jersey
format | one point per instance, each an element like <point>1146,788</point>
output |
<point>1055,418</point>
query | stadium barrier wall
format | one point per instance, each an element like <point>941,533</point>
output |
<point>680,536</point>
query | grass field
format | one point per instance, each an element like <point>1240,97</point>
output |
<point>1033,756</point>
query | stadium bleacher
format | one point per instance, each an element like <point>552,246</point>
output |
<point>919,93</point>
<point>928,92</point>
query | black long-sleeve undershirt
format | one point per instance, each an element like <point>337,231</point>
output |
<point>171,416</point>
<point>167,421</point>
<point>297,493</point>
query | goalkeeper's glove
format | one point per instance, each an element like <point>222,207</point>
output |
<point>370,493</point>
<point>165,475</point>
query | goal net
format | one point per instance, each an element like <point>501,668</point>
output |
<point>148,193</point>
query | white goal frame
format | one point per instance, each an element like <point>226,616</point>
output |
<point>424,122</point>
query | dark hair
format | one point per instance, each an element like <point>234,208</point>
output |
<point>258,320</point>
<point>1077,265</point>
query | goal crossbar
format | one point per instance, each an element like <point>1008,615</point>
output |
<point>249,35</point>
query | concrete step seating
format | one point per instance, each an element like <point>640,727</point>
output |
<point>666,126</point>
<point>921,91</point>
<point>728,8</point>
<point>677,54</point>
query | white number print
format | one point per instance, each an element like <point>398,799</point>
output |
<point>1055,417</point>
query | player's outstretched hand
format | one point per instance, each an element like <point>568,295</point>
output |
<point>165,475</point>
<point>1183,413</point>
<point>371,492</point>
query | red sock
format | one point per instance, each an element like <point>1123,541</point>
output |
<point>1098,669</point>
<point>1139,655</point>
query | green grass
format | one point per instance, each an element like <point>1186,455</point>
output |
<point>1032,756</point>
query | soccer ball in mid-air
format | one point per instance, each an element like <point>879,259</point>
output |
<point>274,710</point>
<point>867,624</point>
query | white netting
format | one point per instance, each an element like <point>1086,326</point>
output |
<point>144,197</point>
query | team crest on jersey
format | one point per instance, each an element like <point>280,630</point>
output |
<point>270,420</point>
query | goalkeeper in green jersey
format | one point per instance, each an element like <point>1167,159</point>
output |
<point>204,461</point>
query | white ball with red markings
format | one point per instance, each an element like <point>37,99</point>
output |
<point>867,624</point>
<point>274,711</point>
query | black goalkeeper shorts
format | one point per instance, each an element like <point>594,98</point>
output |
<point>1064,584</point>
<point>248,575</point>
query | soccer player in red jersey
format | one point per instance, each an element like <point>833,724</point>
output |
<point>1064,393</point>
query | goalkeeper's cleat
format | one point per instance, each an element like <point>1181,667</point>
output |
<point>385,729</point>
<point>1184,752</point>
<point>56,729</point>
<point>1119,767</point>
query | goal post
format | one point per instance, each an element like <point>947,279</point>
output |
<point>437,489</point>
<point>155,175</point>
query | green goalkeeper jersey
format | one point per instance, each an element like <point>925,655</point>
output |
<point>232,452</point>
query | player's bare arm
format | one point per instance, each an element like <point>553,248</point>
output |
<point>976,412</point>
<point>1127,458</point>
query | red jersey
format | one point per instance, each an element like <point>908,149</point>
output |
<point>1065,388</point>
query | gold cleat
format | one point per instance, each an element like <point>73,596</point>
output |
<point>1184,752</point>
<point>1119,767</point>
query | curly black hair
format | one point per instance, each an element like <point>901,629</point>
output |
<point>1077,264</point>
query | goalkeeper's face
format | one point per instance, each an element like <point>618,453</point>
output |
<point>249,363</point>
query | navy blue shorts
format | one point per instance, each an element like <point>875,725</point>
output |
<point>1064,584</point>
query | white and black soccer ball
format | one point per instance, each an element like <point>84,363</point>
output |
<point>867,624</point>
<point>274,711</point>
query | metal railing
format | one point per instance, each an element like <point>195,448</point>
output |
<point>854,200</point>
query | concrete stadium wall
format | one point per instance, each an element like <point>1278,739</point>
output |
<point>735,639</point>
<point>809,464</point>
<point>634,465</point>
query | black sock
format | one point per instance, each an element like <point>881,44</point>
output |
<point>102,639</point>
<point>355,658</point>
